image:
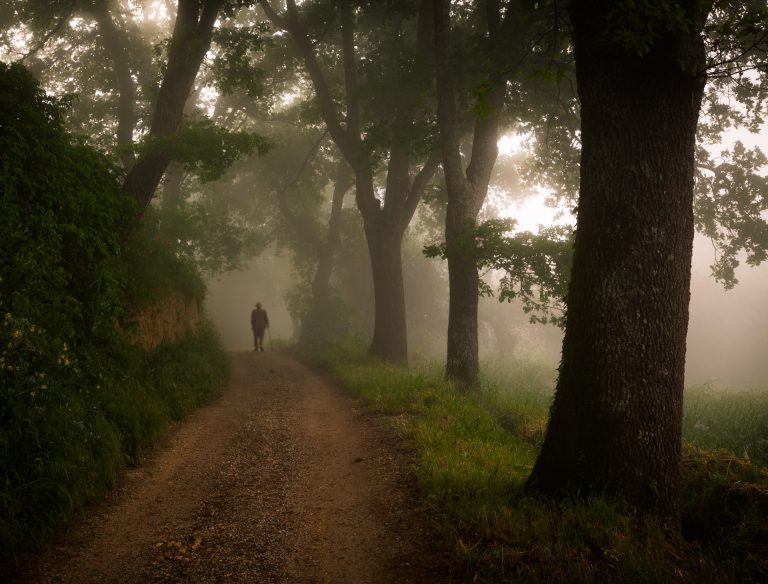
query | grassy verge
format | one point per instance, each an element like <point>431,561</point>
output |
<point>66,443</point>
<point>473,455</point>
<point>736,421</point>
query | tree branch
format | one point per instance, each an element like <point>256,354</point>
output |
<point>420,182</point>
<point>114,40</point>
<point>302,227</point>
<point>447,114</point>
<point>350,74</point>
<point>55,30</point>
<point>292,24</point>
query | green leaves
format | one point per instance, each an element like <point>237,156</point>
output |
<point>60,215</point>
<point>636,25</point>
<point>233,66</point>
<point>737,37</point>
<point>533,268</point>
<point>207,149</point>
<point>731,206</point>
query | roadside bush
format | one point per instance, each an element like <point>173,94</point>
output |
<point>77,401</point>
<point>61,213</point>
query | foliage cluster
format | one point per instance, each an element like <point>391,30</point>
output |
<point>60,206</point>
<point>206,149</point>
<point>474,452</point>
<point>535,268</point>
<point>173,245</point>
<point>78,401</point>
<point>72,420</point>
<point>332,322</point>
<point>731,199</point>
<point>232,68</point>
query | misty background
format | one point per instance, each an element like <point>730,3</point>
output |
<point>727,333</point>
<point>728,329</point>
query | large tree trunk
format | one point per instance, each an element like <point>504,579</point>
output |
<point>615,423</point>
<point>190,42</point>
<point>390,337</point>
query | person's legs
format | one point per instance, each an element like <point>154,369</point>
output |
<point>258,339</point>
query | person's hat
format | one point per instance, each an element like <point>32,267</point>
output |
<point>258,305</point>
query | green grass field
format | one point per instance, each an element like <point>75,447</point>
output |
<point>473,454</point>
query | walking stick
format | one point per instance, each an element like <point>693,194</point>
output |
<point>269,336</point>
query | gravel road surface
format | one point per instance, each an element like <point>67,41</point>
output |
<point>280,480</point>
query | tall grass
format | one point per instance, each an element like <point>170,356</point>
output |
<point>474,453</point>
<point>737,421</point>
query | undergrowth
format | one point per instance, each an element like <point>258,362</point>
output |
<point>474,453</point>
<point>78,401</point>
<point>67,444</point>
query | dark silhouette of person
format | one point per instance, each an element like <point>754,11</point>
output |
<point>259,323</point>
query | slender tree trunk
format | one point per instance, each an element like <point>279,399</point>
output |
<point>615,423</point>
<point>466,195</point>
<point>190,42</point>
<point>317,325</point>
<point>114,40</point>
<point>506,339</point>
<point>322,280</point>
<point>462,356</point>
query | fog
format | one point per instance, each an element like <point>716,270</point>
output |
<point>727,334</point>
<point>728,330</point>
<point>232,296</point>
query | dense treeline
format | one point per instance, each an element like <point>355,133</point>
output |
<point>79,400</point>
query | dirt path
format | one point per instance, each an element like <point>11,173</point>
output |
<point>281,479</point>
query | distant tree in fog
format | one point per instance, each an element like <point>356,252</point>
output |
<point>368,70</point>
<point>467,189</point>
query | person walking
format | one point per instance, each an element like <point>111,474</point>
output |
<point>259,323</point>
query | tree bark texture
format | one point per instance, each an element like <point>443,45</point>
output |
<point>390,334</point>
<point>615,422</point>
<point>190,42</point>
